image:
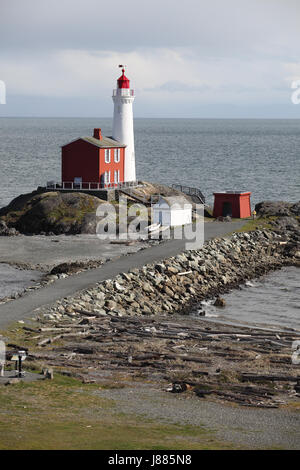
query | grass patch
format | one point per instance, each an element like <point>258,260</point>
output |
<point>66,414</point>
<point>69,214</point>
<point>292,406</point>
<point>15,334</point>
<point>261,223</point>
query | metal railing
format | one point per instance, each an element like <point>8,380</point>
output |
<point>89,186</point>
<point>190,191</point>
<point>123,92</point>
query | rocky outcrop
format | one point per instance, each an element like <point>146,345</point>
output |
<point>176,284</point>
<point>58,213</point>
<point>145,191</point>
<point>287,224</point>
<point>75,267</point>
<point>7,231</point>
<point>53,213</point>
<point>277,208</point>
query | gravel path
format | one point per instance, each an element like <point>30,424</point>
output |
<point>24,306</point>
<point>253,428</point>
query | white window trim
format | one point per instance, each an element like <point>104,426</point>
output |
<point>117,155</point>
<point>107,177</point>
<point>107,155</point>
<point>117,176</point>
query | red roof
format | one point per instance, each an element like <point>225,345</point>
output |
<point>123,81</point>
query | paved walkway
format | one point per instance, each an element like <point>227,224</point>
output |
<point>24,307</point>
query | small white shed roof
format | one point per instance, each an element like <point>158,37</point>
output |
<point>174,202</point>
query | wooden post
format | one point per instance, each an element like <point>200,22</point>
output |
<point>20,366</point>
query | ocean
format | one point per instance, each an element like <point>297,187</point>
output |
<point>14,280</point>
<point>257,155</point>
<point>270,301</point>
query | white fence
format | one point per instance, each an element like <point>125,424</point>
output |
<point>123,92</point>
<point>91,186</point>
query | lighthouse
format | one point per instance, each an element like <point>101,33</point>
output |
<point>123,97</point>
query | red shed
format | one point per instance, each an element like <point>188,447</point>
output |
<point>92,162</point>
<point>233,203</point>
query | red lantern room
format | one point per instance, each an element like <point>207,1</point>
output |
<point>235,204</point>
<point>123,81</point>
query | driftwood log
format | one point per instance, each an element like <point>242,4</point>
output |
<point>226,363</point>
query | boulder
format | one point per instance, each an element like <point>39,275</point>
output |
<point>13,381</point>
<point>295,209</point>
<point>69,268</point>
<point>219,302</point>
<point>160,267</point>
<point>172,270</point>
<point>287,223</point>
<point>273,208</point>
<point>147,287</point>
<point>146,310</point>
<point>110,304</point>
<point>168,291</point>
<point>52,212</point>
<point>7,231</point>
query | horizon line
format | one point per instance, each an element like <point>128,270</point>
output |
<point>144,117</point>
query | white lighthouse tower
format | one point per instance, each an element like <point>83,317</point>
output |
<point>123,98</point>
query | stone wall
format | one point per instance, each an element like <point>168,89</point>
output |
<point>176,284</point>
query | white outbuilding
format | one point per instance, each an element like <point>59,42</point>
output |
<point>172,211</point>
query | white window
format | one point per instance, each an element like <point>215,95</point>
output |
<point>107,177</point>
<point>77,182</point>
<point>117,176</point>
<point>117,155</point>
<point>107,156</point>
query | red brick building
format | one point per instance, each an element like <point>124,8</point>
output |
<point>93,162</point>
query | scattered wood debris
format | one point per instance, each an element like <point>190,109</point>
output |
<point>247,366</point>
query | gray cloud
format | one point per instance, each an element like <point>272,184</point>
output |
<point>200,52</point>
<point>174,86</point>
<point>213,28</point>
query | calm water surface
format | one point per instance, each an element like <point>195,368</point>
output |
<point>271,300</point>
<point>14,280</point>
<point>262,156</point>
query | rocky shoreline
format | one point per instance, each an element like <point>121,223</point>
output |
<point>60,271</point>
<point>176,284</point>
<point>135,327</point>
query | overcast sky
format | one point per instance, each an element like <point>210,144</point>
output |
<point>195,58</point>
